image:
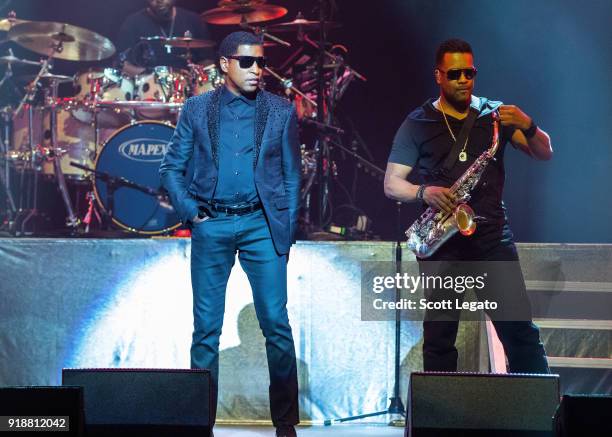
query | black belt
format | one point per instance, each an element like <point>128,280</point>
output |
<point>239,210</point>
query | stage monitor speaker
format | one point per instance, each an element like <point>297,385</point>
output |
<point>144,402</point>
<point>472,404</point>
<point>584,415</point>
<point>49,408</point>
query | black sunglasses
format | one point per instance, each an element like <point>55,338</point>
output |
<point>455,74</point>
<point>247,61</point>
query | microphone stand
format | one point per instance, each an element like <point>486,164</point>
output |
<point>112,184</point>
<point>396,406</point>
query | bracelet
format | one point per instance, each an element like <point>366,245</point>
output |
<point>420,192</point>
<point>531,130</point>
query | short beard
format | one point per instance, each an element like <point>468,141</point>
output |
<point>161,16</point>
<point>458,105</point>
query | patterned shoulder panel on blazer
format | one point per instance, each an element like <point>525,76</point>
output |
<point>278,110</point>
<point>272,111</point>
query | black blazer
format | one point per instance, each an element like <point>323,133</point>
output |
<point>276,160</point>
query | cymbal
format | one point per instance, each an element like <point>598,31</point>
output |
<point>188,43</point>
<point>28,78</point>
<point>79,44</point>
<point>10,59</point>
<point>300,23</point>
<point>243,11</point>
<point>225,3</point>
<point>7,23</point>
<point>49,76</point>
<point>57,77</point>
<point>137,104</point>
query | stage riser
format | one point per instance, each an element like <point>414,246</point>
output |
<point>127,303</point>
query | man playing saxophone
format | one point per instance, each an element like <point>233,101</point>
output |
<point>434,140</point>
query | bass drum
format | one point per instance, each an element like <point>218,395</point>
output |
<point>134,153</point>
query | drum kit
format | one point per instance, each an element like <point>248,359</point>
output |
<point>111,134</point>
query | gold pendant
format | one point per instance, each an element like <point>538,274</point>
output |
<point>462,156</point>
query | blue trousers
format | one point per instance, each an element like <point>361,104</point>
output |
<point>214,244</point>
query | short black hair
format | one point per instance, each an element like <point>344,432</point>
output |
<point>229,45</point>
<point>454,45</point>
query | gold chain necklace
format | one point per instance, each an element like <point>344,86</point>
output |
<point>462,154</point>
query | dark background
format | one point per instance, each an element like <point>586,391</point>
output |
<point>553,59</point>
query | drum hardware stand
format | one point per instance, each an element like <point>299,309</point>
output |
<point>323,154</point>
<point>261,31</point>
<point>35,157</point>
<point>325,128</point>
<point>45,67</point>
<point>92,211</point>
<point>96,127</point>
<point>288,86</point>
<point>305,197</point>
<point>361,161</point>
<point>57,47</point>
<point>306,193</point>
<point>5,174</point>
<point>336,60</point>
<point>325,116</point>
<point>72,220</point>
<point>8,73</point>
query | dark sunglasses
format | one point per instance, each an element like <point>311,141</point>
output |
<point>455,74</point>
<point>247,61</point>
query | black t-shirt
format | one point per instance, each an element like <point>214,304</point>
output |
<point>153,53</point>
<point>423,143</point>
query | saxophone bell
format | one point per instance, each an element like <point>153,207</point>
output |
<point>465,219</point>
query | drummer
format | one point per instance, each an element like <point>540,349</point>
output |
<point>161,18</point>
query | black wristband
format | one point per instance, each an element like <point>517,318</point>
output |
<point>420,192</point>
<point>531,130</point>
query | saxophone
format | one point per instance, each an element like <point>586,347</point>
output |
<point>433,228</point>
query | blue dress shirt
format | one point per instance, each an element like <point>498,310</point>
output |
<point>236,183</point>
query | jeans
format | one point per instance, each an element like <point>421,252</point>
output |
<point>214,245</point>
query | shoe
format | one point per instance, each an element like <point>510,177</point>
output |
<point>286,431</point>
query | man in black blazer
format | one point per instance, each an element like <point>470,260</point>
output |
<point>232,171</point>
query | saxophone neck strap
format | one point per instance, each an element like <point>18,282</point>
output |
<point>468,124</point>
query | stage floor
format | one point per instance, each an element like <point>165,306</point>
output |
<point>343,430</point>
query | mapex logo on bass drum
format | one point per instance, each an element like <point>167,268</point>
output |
<point>144,149</point>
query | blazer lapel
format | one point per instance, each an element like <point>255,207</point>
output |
<point>214,121</point>
<point>261,117</point>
